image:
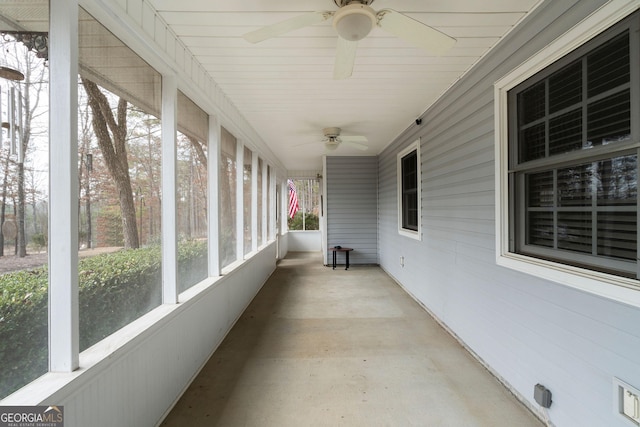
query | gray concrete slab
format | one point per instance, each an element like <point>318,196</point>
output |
<point>323,347</point>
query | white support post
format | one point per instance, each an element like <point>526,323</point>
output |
<point>213,172</point>
<point>169,198</point>
<point>254,202</point>
<point>240,200</point>
<point>284,202</point>
<point>272,205</point>
<point>265,194</point>
<point>63,188</point>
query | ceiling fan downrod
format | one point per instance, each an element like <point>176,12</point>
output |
<point>341,3</point>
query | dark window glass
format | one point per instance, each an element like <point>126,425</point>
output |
<point>579,209</point>
<point>565,88</point>
<point>608,66</point>
<point>410,191</point>
<point>531,104</point>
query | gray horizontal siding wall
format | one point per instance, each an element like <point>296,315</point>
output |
<point>526,329</point>
<point>352,207</point>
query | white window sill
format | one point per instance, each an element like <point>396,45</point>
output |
<point>620,289</point>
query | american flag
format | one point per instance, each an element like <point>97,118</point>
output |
<point>293,199</point>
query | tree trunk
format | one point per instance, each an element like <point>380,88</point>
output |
<point>202,157</point>
<point>21,238</point>
<point>87,194</point>
<point>15,239</point>
<point>113,148</point>
<point>3,208</point>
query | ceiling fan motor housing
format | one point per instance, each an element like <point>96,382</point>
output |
<point>354,21</point>
<point>331,132</point>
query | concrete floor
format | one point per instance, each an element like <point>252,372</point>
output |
<point>323,347</point>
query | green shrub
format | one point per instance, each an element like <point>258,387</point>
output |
<point>114,290</point>
<point>192,263</point>
<point>23,328</point>
<point>311,221</point>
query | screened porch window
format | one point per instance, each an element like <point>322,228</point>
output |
<point>573,157</point>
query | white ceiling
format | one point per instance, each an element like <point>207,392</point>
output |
<point>285,88</point>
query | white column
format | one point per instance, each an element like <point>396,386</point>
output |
<point>213,212</point>
<point>276,208</point>
<point>240,200</point>
<point>169,198</point>
<point>265,193</point>
<point>254,202</point>
<point>284,203</point>
<point>63,188</point>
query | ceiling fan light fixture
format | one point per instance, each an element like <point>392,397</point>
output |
<point>330,146</point>
<point>354,22</point>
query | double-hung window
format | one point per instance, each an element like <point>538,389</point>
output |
<point>409,191</point>
<point>573,144</point>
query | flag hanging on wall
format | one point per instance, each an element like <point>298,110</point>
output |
<point>293,199</point>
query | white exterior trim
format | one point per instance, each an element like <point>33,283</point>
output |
<point>169,199</point>
<point>239,200</point>
<point>63,189</point>
<point>254,202</point>
<point>213,176</point>
<point>586,280</point>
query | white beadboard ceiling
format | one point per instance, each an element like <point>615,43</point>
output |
<point>285,88</point>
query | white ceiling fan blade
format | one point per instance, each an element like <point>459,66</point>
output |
<point>353,138</point>
<point>286,26</point>
<point>357,145</point>
<point>345,58</point>
<point>414,32</point>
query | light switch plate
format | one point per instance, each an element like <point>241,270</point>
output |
<point>626,401</point>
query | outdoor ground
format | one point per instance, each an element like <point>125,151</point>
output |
<point>11,262</point>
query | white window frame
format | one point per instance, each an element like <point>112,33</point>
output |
<point>414,234</point>
<point>593,282</point>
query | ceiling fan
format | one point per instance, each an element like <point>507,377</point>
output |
<point>332,139</point>
<point>353,21</point>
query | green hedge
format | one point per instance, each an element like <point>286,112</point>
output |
<point>114,289</point>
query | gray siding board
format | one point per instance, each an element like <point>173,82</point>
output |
<point>352,206</point>
<point>527,329</point>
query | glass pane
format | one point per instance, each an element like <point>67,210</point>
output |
<point>410,210</point>
<point>24,172</point>
<point>540,228</point>
<point>608,67</point>
<point>410,172</point>
<point>565,132</point>
<point>617,234</point>
<point>575,231</point>
<point>227,199</point>
<point>409,191</point>
<point>609,120</point>
<point>531,104</point>
<point>531,143</point>
<point>540,189</point>
<point>192,193</point>
<point>575,185</point>
<point>565,87</point>
<point>118,115</point>
<point>247,199</point>
<point>617,181</point>
<point>308,215</point>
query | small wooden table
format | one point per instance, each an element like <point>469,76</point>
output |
<point>341,249</point>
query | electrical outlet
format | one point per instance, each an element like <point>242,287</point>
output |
<point>627,401</point>
<point>402,261</point>
<point>631,405</point>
